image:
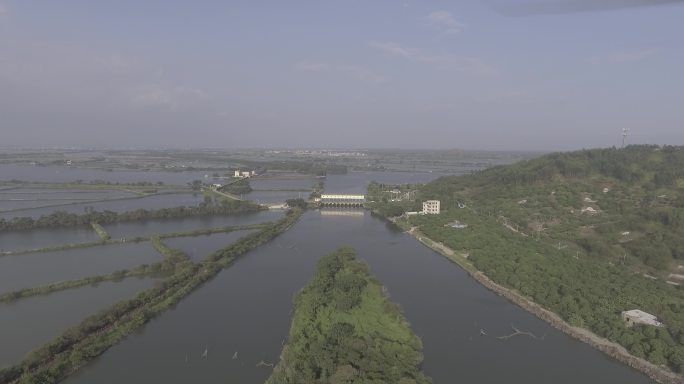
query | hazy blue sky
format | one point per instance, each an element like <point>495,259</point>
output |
<point>418,74</point>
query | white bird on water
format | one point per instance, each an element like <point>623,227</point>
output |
<point>206,352</point>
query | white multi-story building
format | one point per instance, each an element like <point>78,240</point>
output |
<point>431,207</point>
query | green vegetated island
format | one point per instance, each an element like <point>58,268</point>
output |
<point>587,234</point>
<point>346,331</point>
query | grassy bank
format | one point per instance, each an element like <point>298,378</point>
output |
<point>142,271</point>
<point>345,330</point>
<point>101,231</point>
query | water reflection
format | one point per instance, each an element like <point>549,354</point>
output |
<point>342,212</point>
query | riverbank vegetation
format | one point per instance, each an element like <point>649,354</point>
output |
<point>346,331</point>
<point>74,348</point>
<point>62,219</point>
<point>141,271</point>
<point>586,234</point>
<point>237,187</point>
<point>104,236</point>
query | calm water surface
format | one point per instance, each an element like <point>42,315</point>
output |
<point>281,183</point>
<point>29,323</point>
<point>49,193</point>
<point>263,197</point>
<point>65,174</point>
<point>247,310</point>
<point>199,247</point>
<point>357,182</point>
<point>129,204</point>
<point>34,269</point>
<point>151,227</point>
<point>41,238</point>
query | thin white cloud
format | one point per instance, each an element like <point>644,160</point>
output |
<point>117,63</point>
<point>312,66</point>
<point>396,49</point>
<point>445,22</point>
<point>78,75</point>
<point>161,95</point>
<point>350,70</point>
<point>466,64</point>
<point>625,56</point>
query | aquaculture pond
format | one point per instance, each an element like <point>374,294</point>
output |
<point>151,227</point>
<point>45,237</point>
<point>158,201</point>
<point>66,174</point>
<point>34,269</point>
<point>29,323</point>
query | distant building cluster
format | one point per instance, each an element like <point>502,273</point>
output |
<point>431,207</point>
<point>244,174</point>
<point>320,153</point>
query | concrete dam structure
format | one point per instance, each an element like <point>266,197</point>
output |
<point>331,200</point>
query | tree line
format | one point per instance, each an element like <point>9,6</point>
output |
<point>64,219</point>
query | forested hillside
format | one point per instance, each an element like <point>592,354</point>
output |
<point>623,205</point>
<point>587,234</point>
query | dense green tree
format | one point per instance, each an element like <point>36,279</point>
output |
<point>345,331</point>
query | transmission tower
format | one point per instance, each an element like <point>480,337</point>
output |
<point>625,132</point>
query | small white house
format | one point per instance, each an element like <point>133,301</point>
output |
<point>237,174</point>
<point>457,225</point>
<point>431,207</point>
<point>246,174</point>
<point>636,316</point>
